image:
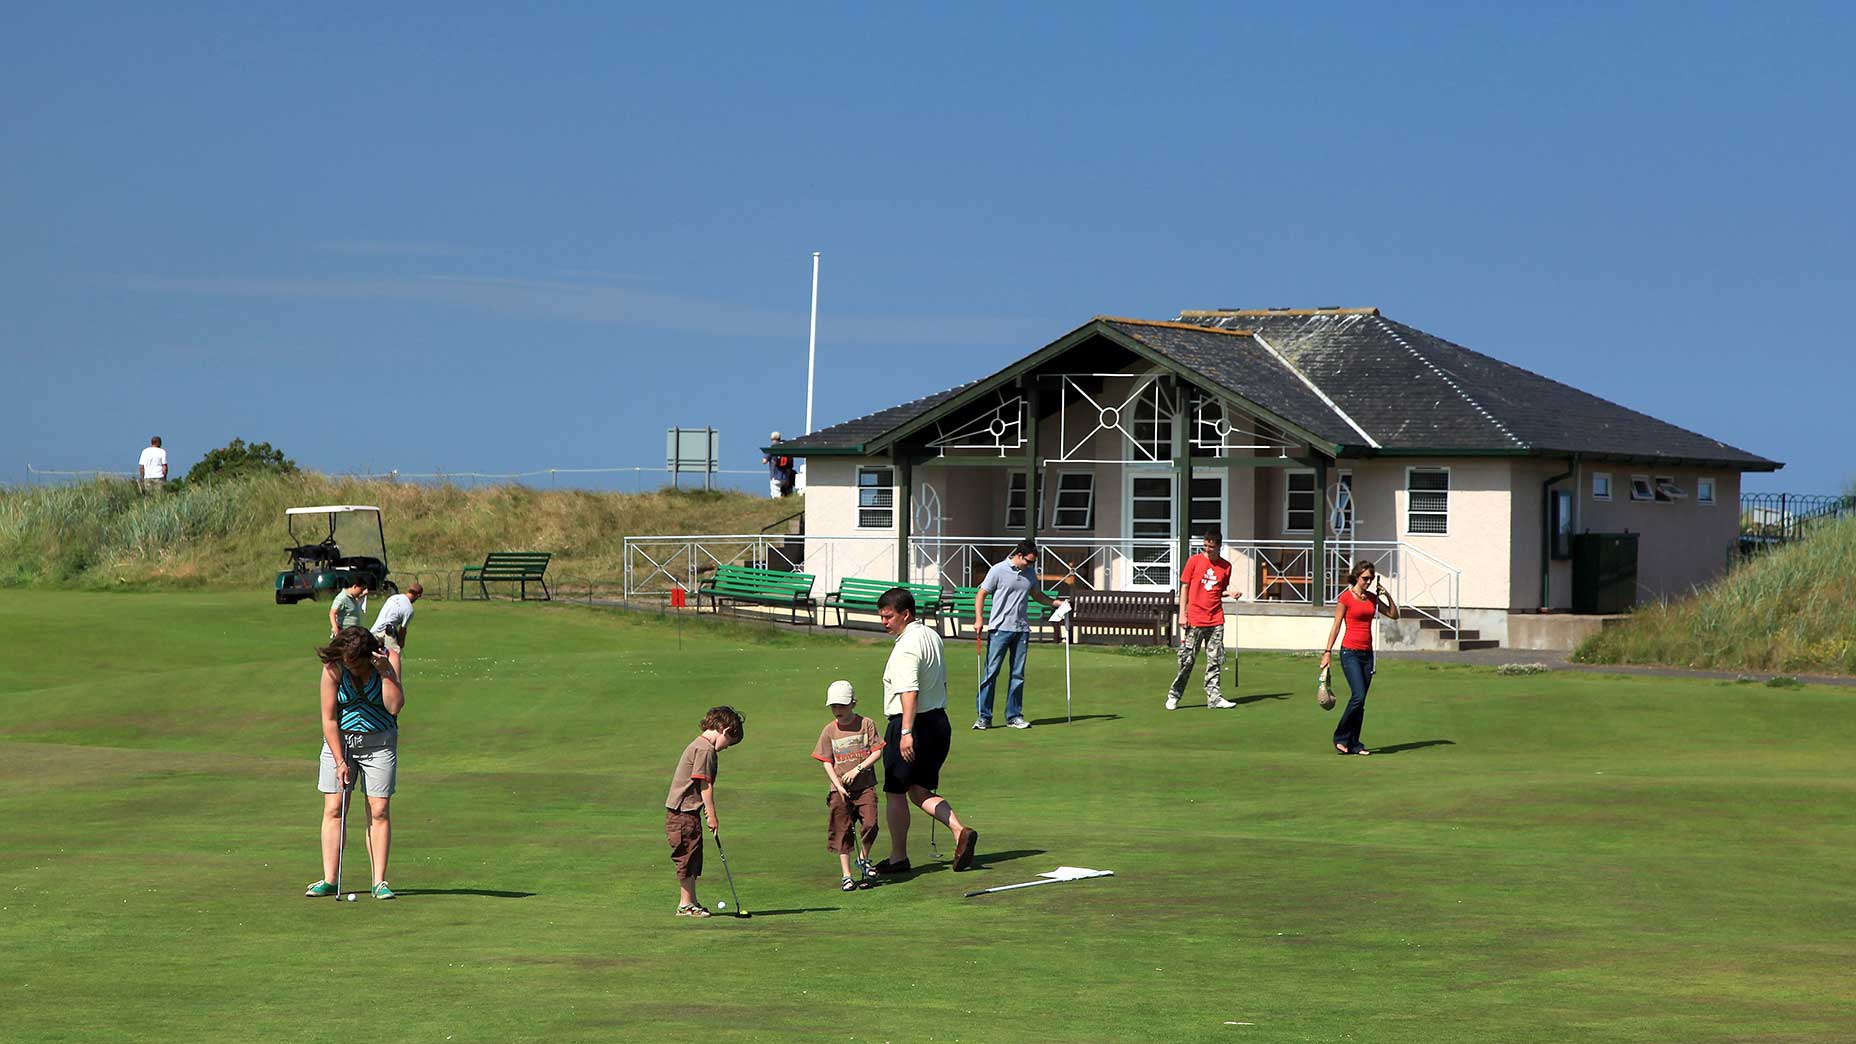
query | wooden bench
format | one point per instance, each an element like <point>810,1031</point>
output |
<point>1274,580</point>
<point>1150,611</point>
<point>774,587</point>
<point>958,608</point>
<point>857,595</point>
<point>516,567</point>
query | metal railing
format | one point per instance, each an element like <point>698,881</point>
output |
<point>1780,517</point>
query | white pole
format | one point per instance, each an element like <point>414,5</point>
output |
<point>811,364</point>
<point>1068,638</point>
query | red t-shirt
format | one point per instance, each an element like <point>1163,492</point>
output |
<point>1358,613</point>
<point>1205,582</point>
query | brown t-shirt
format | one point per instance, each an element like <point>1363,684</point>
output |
<point>843,749</point>
<point>698,763</point>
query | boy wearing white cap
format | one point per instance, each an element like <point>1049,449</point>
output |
<point>847,747</point>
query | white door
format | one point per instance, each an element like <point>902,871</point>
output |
<point>1152,537</point>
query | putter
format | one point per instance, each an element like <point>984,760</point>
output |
<point>932,847</point>
<point>341,842</point>
<point>739,912</point>
<point>857,835</point>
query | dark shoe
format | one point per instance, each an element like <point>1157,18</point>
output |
<point>887,867</point>
<point>963,848</point>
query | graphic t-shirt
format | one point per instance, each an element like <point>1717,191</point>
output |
<point>842,749</point>
<point>700,761</point>
<point>1205,582</point>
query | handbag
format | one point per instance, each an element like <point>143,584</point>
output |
<point>1323,694</point>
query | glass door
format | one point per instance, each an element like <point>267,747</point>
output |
<point>1150,527</point>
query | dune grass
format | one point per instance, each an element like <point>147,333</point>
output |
<point>1543,858</point>
<point>231,535</point>
<point>1786,610</point>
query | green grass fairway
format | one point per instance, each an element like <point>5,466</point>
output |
<point>1564,857</point>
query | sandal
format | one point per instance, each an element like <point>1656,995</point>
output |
<point>692,910</point>
<point>1339,749</point>
<point>847,885</point>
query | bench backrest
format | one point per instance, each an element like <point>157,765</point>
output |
<point>1110,605</point>
<point>515,565</point>
<point>770,582</point>
<point>861,591</point>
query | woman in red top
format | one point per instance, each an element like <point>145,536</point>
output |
<point>1356,608</point>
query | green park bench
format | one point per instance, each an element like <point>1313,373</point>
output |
<point>516,567</point>
<point>773,587</point>
<point>958,608</point>
<point>856,595</point>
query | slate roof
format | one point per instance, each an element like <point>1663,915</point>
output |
<point>1415,392</point>
<point>1364,383</point>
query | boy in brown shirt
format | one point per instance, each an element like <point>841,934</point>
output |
<point>848,746</point>
<point>692,788</point>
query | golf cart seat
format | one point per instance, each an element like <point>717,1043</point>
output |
<point>324,552</point>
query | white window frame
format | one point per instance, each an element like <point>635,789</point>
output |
<point>1057,506</point>
<point>1015,488</point>
<point>1648,491</point>
<point>1664,498</point>
<point>890,488</point>
<point>1708,485</point>
<point>1128,479</point>
<point>1224,500</point>
<point>1405,516</point>
<point>1605,476</point>
<point>1315,506</point>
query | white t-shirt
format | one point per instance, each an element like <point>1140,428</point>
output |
<point>915,664</point>
<point>154,462</point>
<point>395,614</point>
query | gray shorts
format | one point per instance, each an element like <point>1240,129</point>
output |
<point>376,760</point>
<point>390,639</point>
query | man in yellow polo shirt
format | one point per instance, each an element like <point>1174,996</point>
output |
<point>918,737</point>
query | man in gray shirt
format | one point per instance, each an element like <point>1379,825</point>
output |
<point>1011,583</point>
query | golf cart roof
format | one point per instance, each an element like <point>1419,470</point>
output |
<point>331,509</point>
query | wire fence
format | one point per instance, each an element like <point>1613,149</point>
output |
<point>620,479</point>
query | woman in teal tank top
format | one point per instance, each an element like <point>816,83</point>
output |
<point>361,703</point>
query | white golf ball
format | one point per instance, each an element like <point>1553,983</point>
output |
<point>352,897</point>
<point>723,905</point>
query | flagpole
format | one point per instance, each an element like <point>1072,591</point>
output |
<point>811,364</point>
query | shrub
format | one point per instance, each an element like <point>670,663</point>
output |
<point>236,459</point>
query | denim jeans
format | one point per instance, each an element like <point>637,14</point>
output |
<point>998,645</point>
<point>1357,665</point>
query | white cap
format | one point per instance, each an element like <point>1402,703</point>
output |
<point>774,437</point>
<point>840,694</point>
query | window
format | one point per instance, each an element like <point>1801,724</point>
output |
<point>1640,488</point>
<point>876,498</point>
<point>1298,505</point>
<point>1704,491</point>
<point>1343,504</point>
<point>1152,426</point>
<point>1206,512</point>
<point>1015,503</point>
<point>1427,501</point>
<point>1601,485</point>
<point>1667,491</point>
<point>1075,506</point>
<point>1150,522</point>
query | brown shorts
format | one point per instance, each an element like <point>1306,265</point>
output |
<point>684,830</point>
<point>838,832</point>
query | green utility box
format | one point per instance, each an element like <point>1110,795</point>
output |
<point>1604,572</point>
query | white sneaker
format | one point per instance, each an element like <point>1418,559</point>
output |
<point>1017,723</point>
<point>1219,703</point>
<point>1172,703</point>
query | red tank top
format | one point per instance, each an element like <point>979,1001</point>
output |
<point>1358,612</point>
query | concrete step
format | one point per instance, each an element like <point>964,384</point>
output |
<point>1477,643</point>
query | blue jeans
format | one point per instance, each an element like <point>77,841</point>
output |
<point>998,645</point>
<point>1357,665</point>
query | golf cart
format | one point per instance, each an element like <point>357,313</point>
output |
<point>350,544</point>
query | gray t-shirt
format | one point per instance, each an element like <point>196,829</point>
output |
<point>1009,589</point>
<point>348,611</point>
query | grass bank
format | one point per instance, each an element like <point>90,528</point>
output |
<point>231,535</point>
<point>1786,610</point>
<point>1538,858</point>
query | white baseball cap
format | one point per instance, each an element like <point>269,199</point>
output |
<point>775,436</point>
<point>840,694</point>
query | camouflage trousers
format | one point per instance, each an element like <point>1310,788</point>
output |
<point>1191,640</point>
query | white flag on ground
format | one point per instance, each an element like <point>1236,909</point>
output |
<point>1057,876</point>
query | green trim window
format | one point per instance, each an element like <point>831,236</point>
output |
<point>1075,505</point>
<point>1427,501</point>
<point>876,498</point>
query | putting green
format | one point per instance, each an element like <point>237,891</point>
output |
<point>1544,858</point>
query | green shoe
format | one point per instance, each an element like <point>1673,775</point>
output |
<point>320,890</point>
<point>381,891</point>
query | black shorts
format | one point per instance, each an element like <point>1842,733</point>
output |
<point>932,735</point>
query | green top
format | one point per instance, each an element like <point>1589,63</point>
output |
<point>347,610</point>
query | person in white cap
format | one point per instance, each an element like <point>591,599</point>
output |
<point>848,747</point>
<point>780,471</point>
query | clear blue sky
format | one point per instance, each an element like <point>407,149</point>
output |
<point>496,241</point>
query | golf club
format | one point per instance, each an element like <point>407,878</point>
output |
<point>857,837</point>
<point>341,841</point>
<point>739,912</point>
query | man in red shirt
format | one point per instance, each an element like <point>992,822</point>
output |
<point>1203,584</point>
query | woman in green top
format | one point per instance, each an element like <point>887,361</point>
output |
<point>346,611</point>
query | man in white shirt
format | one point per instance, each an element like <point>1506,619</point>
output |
<point>390,626</point>
<point>151,472</point>
<point>916,742</point>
